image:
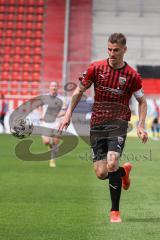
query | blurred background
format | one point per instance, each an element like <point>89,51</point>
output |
<point>46,40</point>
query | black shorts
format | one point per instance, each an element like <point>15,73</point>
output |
<point>108,137</point>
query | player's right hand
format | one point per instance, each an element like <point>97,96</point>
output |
<point>64,124</point>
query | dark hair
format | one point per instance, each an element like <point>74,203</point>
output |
<point>117,38</point>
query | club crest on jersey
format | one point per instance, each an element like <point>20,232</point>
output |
<point>122,80</point>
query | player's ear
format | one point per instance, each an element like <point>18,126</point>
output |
<point>125,49</point>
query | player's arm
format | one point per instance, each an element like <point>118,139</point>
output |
<point>76,97</point>
<point>142,110</point>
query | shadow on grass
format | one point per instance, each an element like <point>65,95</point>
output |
<point>151,220</point>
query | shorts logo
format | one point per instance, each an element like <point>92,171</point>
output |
<point>122,80</point>
<point>120,140</point>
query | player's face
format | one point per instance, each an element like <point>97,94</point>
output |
<point>53,89</point>
<point>116,53</point>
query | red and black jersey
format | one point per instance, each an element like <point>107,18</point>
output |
<point>113,90</point>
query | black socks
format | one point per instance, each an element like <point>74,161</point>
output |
<point>115,185</point>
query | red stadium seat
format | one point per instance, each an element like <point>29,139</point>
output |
<point>36,76</point>
<point>28,42</point>
<point>1,33</point>
<point>38,34</point>
<point>27,50</point>
<point>8,41</point>
<point>37,42</point>
<point>12,2</point>
<point>7,58</point>
<point>37,59</point>
<point>2,24</point>
<point>39,18</point>
<point>17,58</point>
<point>5,67</point>
<point>39,25</point>
<point>20,10</point>
<point>2,8</point>
<point>29,34</point>
<point>10,25</point>
<point>16,76</point>
<point>7,50</point>
<point>35,88</point>
<point>18,41</point>
<point>3,1</point>
<point>9,33</point>
<point>14,87</point>
<point>5,75</point>
<point>30,25</point>
<point>19,34</point>
<point>16,67</point>
<point>2,16</point>
<point>36,67</point>
<point>10,17</point>
<point>20,17</point>
<point>26,76</point>
<point>30,10</point>
<point>37,50</point>
<point>24,89</point>
<point>11,9</point>
<point>31,2</point>
<point>20,25</point>
<point>26,58</point>
<point>21,2</point>
<point>27,67</point>
<point>18,50</point>
<point>4,86</point>
<point>41,3</point>
<point>40,10</point>
<point>30,18</point>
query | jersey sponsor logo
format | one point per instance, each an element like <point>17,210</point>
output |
<point>113,90</point>
<point>122,80</point>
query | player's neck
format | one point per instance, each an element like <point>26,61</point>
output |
<point>117,65</point>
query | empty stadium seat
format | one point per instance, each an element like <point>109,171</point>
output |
<point>10,24</point>
<point>39,18</point>
<point>36,67</point>
<point>16,67</point>
<point>21,39</point>
<point>14,85</point>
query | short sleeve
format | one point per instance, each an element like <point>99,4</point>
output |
<point>88,77</point>
<point>137,83</point>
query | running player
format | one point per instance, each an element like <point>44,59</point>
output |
<point>51,112</point>
<point>114,83</point>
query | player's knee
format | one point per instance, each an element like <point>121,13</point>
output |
<point>112,166</point>
<point>56,140</point>
<point>112,162</point>
<point>46,142</point>
<point>101,173</point>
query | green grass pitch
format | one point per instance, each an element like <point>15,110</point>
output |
<point>69,203</point>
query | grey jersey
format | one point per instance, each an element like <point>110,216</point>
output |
<point>52,106</point>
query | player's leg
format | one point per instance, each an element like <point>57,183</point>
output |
<point>118,176</point>
<point>108,168</point>
<point>115,174</point>
<point>54,152</point>
<point>48,141</point>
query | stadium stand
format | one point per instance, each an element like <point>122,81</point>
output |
<point>80,38</point>
<point>140,22</point>
<point>22,35</point>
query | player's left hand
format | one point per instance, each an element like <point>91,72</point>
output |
<point>142,134</point>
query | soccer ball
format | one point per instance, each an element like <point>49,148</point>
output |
<point>22,128</point>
